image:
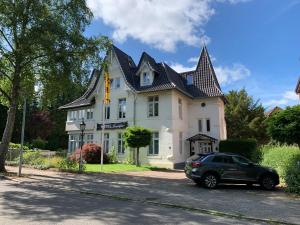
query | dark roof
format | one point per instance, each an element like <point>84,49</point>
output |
<point>201,137</point>
<point>205,83</point>
<point>86,99</point>
<point>297,90</point>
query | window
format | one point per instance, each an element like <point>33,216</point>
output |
<point>118,82</point>
<point>154,145</point>
<point>122,108</point>
<point>208,125</point>
<point>180,143</point>
<point>89,138</point>
<point>121,144</point>
<point>200,125</point>
<point>112,83</point>
<point>146,78</point>
<point>106,142</point>
<point>239,159</point>
<point>107,112</point>
<point>115,83</point>
<point>81,114</point>
<point>72,115</point>
<point>89,114</point>
<point>73,142</point>
<point>153,106</point>
<point>204,147</point>
<point>222,159</point>
<point>189,79</point>
<point>180,108</point>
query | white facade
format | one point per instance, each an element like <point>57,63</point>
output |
<point>171,115</point>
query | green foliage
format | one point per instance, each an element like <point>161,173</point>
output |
<point>245,147</point>
<point>32,158</point>
<point>284,159</point>
<point>245,117</point>
<point>39,143</point>
<point>18,146</point>
<point>112,155</point>
<point>67,164</point>
<point>137,137</point>
<point>284,126</point>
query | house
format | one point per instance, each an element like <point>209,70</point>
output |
<point>273,111</point>
<point>297,90</point>
<point>185,111</point>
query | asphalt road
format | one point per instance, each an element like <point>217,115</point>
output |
<point>28,203</point>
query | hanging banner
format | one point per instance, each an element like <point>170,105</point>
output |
<point>107,88</point>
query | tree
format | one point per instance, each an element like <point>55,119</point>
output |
<point>284,126</point>
<point>245,117</point>
<point>137,137</point>
<point>42,43</point>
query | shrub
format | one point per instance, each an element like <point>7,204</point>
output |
<point>292,178</point>
<point>112,156</point>
<point>91,153</point>
<point>17,146</point>
<point>53,162</point>
<point>245,147</point>
<point>67,164</point>
<point>284,160</point>
<point>32,157</point>
<point>39,143</point>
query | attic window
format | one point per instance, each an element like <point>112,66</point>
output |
<point>146,78</point>
<point>189,79</point>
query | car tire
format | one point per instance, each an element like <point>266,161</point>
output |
<point>210,181</point>
<point>267,182</point>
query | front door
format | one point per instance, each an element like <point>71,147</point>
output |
<point>204,147</point>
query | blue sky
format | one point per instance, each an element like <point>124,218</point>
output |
<point>253,43</point>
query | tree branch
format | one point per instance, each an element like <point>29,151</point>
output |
<point>5,94</point>
<point>6,39</point>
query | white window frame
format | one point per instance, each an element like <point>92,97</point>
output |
<point>90,138</point>
<point>106,110</point>
<point>90,114</point>
<point>81,114</point>
<point>74,142</point>
<point>208,124</point>
<point>200,128</point>
<point>151,149</point>
<point>180,142</point>
<point>189,79</point>
<point>146,78</point>
<point>121,144</point>
<point>122,108</point>
<point>106,142</point>
<point>180,108</point>
<point>72,115</point>
<point>153,103</point>
<point>112,83</point>
<point>117,83</point>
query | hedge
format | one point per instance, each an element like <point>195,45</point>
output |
<point>244,147</point>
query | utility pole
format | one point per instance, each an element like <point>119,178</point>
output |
<point>22,139</point>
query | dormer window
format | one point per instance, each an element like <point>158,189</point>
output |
<point>189,79</point>
<point>146,79</point>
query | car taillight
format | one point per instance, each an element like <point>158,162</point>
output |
<point>196,164</point>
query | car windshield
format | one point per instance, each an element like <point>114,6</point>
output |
<point>240,159</point>
<point>197,157</point>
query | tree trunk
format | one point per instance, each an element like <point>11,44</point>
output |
<point>10,121</point>
<point>138,157</point>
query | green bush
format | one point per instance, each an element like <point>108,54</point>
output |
<point>292,178</point>
<point>284,159</point>
<point>39,143</point>
<point>17,146</point>
<point>245,147</point>
<point>67,165</point>
<point>112,155</point>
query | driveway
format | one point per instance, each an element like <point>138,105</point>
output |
<point>170,189</point>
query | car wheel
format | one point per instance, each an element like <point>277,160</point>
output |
<point>267,182</point>
<point>210,181</point>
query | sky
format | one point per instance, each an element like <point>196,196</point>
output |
<point>253,44</point>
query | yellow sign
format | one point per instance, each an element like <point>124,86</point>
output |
<point>107,88</point>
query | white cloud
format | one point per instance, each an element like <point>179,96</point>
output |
<point>162,24</point>
<point>193,59</point>
<point>288,98</point>
<point>179,68</point>
<point>229,74</point>
<point>291,95</point>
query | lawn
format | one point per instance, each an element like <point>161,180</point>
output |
<point>118,167</point>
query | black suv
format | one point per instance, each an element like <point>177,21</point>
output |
<point>211,169</point>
